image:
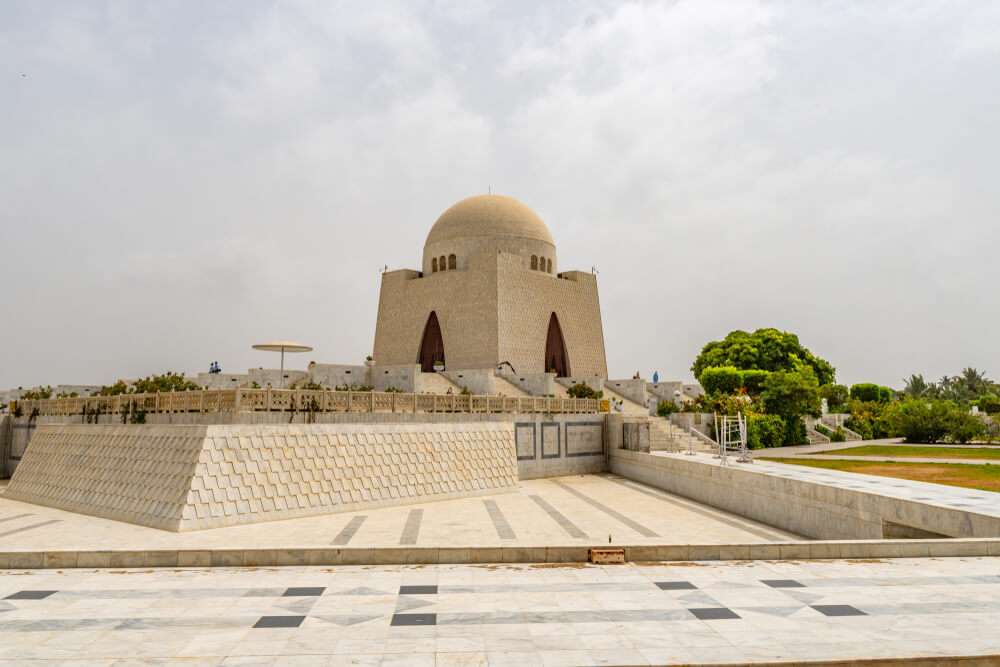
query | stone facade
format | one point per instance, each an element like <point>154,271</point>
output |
<point>193,477</point>
<point>492,307</point>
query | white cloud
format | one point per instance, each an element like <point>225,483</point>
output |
<point>827,169</point>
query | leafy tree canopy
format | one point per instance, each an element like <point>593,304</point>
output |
<point>764,349</point>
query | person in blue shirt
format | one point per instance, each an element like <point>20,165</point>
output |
<point>656,377</point>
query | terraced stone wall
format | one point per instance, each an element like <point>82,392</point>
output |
<point>193,477</point>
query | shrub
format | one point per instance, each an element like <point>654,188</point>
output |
<point>839,435</point>
<point>308,385</point>
<point>765,431</point>
<point>824,431</point>
<point>665,408</point>
<point>39,393</point>
<point>920,420</point>
<point>866,392</point>
<point>721,380</point>
<point>354,387</point>
<point>836,396</point>
<point>583,390</point>
<point>963,427</point>
<point>871,420</point>
<point>795,432</point>
<point>989,404</point>
<point>754,381</point>
<point>791,395</point>
<point>884,394</point>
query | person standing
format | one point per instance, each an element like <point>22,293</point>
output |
<point>656,376</point>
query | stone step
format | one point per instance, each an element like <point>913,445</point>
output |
<point>502,386</point>
<point>629,407</point>
<point>435,383</point>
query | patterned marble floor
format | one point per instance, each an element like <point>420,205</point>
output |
<point>664,613</point>
<point>562,510</point>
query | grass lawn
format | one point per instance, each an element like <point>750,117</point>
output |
<point>904,451</point>
<point>983,476</point>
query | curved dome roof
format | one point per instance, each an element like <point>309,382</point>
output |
<point>488,216</point>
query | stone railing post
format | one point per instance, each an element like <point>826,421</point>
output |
<point>349,401</point>
<point>236,400</point>
<point>267,398</point>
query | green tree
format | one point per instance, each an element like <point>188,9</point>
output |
<point>764,349</point>
<point>724,380</point>
<point>836,396</point>
<point>790,395</point>
<point>916,386</point>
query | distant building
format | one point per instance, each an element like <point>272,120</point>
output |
<point>490,291</point>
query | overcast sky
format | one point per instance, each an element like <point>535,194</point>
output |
<point>180,180</point>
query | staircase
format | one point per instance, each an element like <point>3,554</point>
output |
<point>435,383</point>
<point>629,407</point>
<point>831,424</point>
<point>661,435</point>
<point>667,437</point>
<point>816,438</point>
<point>502,386</point>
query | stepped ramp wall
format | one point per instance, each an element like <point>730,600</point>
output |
<point>192,477</point>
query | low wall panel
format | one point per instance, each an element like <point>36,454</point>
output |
<point>820,511</point>
<point>560,445</point>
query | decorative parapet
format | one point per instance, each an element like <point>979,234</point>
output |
<point>299,400</point>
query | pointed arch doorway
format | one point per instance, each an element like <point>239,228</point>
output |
<point>555,349</point>
<point>431,345</point>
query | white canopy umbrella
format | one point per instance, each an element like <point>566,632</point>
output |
<point>282,346</point>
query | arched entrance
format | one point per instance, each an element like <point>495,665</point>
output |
<point>555,349</point>
<point>431,345</point>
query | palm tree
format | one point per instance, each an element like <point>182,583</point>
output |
<point>916,386</point>
<point>974,382</point>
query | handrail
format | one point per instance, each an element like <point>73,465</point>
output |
<point>299,400</point>
<point>692,429</point>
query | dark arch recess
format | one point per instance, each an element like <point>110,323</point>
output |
<point>555,349</point>
<point>431,345</point>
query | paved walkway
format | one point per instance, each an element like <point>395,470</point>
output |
<point>581,509</point>
<point>663,613</point>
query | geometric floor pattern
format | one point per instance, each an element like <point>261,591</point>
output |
<point>664,613</point>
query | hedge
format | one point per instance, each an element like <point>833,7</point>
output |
<point>721,380</point>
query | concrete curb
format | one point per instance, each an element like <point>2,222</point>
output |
<point>325,555</point>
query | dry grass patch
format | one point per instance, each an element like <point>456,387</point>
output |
<point>905,451</point>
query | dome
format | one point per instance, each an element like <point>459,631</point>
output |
<point>490,216</point>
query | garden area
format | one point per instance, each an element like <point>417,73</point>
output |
<point>774,381</point>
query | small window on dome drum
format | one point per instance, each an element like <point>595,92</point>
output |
<point>452,262</point>
<point>541,264</point>
<point>441,263</point>
<point>434,265</point>
<point>534,262</point>
<point>548,266</point>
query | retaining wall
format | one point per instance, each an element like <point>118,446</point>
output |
<point>192,477</point>
<point>815,510</point>
<point>550,446</point>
